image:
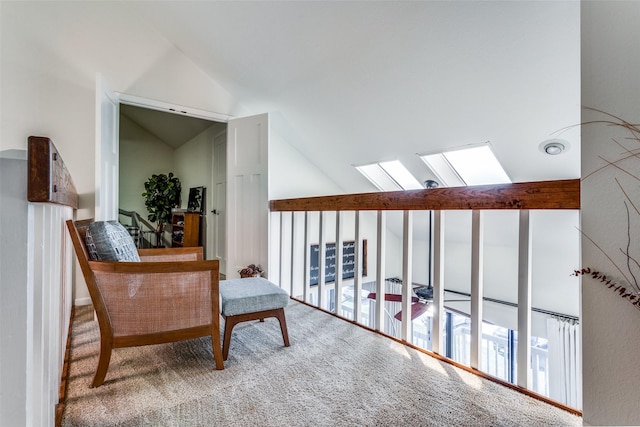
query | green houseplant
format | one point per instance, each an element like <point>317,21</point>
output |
<point>162,193</point>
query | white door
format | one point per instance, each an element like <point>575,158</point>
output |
<point>219,201</point>
<point>247,212</point>
<point>107,134</point>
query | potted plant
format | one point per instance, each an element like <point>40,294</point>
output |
<point>162,193</point>
<point>251,270</point>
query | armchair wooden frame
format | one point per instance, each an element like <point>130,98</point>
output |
<point>171,295</point>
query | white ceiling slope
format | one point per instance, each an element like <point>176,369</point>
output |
<point>358,82</point>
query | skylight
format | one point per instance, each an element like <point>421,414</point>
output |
<point>401,175</point>
<point>475,165</point>
<point>378,177</point>
<point>390,176</point>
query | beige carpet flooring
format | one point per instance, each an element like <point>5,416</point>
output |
<point>334,374</point>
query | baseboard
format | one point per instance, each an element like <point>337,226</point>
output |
<point>82,301</point>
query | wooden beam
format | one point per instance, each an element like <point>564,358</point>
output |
<point>564,194</point>
<point>48,180</point>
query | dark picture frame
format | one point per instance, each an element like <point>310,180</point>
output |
<point>348,261</point>
<point>196,200</point>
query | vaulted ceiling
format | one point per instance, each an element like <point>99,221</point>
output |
<point>349,83</point>
<point>358,82</point>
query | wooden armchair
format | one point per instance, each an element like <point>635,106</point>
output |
<point>171,295</point>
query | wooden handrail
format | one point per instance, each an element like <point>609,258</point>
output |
<point>49,180</point>
<point>563,194</point>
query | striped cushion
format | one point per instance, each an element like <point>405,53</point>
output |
<point>110,241</point>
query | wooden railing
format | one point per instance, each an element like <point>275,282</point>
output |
<point>292,221</point>
<point>53,199</point>
<point>530,195</point>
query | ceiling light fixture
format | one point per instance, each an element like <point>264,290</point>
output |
<point>553,147</point>
<point>430,183</point>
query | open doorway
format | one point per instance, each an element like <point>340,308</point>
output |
<point>193,149</point>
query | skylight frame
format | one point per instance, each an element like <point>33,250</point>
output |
<point>378,177</point>
<point>401,175</point>
<point>452,168</point>
<point>389,176</point>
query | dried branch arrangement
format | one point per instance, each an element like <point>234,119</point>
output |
<point>631,268</point>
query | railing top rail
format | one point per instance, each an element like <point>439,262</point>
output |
<point>49,180</point>
<point>563,194</point>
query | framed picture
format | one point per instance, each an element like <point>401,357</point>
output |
<point>196,200</point>
<point>348,261</point>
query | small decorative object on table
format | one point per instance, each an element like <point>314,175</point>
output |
<point>251,270</point>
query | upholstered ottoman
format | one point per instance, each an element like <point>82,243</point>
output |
<point>252,298</point>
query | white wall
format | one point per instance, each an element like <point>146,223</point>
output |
<point>193,163</point>
<point>141,155</point>
<point>291,174</point>
<point>194,166</point>
<point>610,64</point>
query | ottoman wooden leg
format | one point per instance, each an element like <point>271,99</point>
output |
<point>283,326</point>
<point>231,321</point>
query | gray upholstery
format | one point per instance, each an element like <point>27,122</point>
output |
<point>240,296</point>
<point>110,241</point>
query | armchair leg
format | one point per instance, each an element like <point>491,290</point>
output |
<point>229,323</point>
<point>103,365</point>
<point>217,351</point>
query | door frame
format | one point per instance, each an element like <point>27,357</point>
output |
<point>217,216</point>
<point>128,99</point>
<point>153,104</point>
<point>166,107</point>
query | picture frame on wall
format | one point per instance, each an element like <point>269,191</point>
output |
<point>348,261</point>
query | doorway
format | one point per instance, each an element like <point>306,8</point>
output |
<point>194,149</point>
<point>246,228</point>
